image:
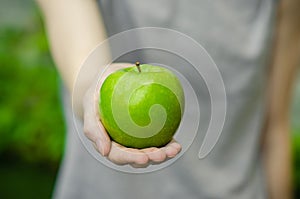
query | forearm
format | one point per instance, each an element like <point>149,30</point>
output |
<point>74,28</point>
<point>278,162</point>
<point>277,142</point>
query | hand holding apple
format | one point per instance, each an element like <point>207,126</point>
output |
<point>115,152</point>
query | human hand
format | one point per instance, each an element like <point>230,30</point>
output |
<point>115,152</point>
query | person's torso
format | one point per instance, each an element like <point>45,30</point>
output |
<point>237,35</point>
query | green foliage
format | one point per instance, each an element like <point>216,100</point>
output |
<point>296,157</point>
<point>31,122</point>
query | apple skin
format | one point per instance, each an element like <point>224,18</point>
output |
<point>141,109</point>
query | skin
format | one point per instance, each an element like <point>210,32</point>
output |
<point>69,21</point>
<point>276,144</point>
<point>115,152</point>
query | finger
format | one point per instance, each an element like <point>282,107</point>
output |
<point>101,142</point>
<point>97,134</point>
<point>172,149</point>
<point>96,147</point>
<point>93,128</point>
<point>155,155</point>
<point>121,155</point>
<point>140,165</point>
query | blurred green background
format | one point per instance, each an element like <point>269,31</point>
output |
<point>32,127</point>
<point>31,122</point>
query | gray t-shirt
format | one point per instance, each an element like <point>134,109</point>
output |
<point>237,34</point>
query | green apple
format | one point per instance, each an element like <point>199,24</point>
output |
<point>141,106</point>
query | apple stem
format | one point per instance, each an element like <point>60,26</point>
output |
<point>137,64</point>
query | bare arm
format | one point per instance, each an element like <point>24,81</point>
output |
<point>75,28</point>
<point>277,142</point>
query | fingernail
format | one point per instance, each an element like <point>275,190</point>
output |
<point>100,147</point>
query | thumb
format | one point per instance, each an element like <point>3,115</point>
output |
<point>92,125</point>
